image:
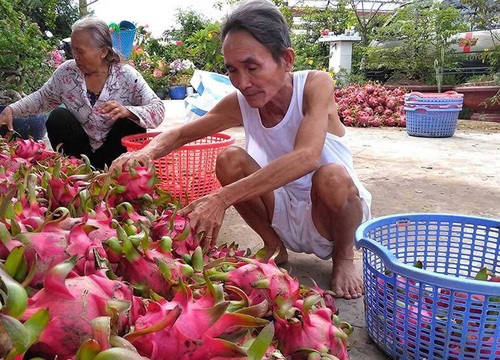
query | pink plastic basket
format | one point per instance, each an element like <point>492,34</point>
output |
<point>188,173</point>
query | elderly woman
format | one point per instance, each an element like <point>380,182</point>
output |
<point>104,99</point>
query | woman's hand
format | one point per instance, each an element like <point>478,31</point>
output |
<point>6,118</point>
<point>205,216</point>
<point>132,158</point>
<point>114,110</point>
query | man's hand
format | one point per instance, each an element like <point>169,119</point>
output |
<point>6,118</point>
<point>205,216</point>
<point>114,110</point>
<point>133,157</point>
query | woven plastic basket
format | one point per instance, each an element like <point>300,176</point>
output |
<point>448,97</point>
<point>438,312</point>
<point>428,122</point>
<point>124,38</point>
<point>188,173</point>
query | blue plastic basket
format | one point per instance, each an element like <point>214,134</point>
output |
<point>438,312</point>
<point>428,122</point>
<point>448,97</point>
<point>123,40</point>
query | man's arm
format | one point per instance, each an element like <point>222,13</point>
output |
<point>224,115</point>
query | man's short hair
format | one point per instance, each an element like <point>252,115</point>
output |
<point>263,20</point>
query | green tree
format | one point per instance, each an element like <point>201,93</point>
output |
<point>485,15</point>
<point>55,16</point>
<point>205,48</point>
<point>25,52</point>
<point>189,22</point>
<point>310,54</point>
<point>417,36</point>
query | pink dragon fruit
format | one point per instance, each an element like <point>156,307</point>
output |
<point>51,244</point>
<point>359,105</point>
<point>141,271</point>
<point>261,281</point>
<point>195,333</point>
<point>176,227</point>
<point>301,327</point>
<point>31,150</point>
<point>72,303</point>
<point>134,182</point>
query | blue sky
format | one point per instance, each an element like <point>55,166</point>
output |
<point>159,15</point>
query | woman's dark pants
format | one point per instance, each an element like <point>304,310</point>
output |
<point>67,136</point>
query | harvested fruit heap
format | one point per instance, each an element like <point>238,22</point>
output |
<point>95,266</point>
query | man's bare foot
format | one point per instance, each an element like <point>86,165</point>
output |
<point>345,281</point>
<point>280,259</point>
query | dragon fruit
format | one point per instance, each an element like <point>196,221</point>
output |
<point>370,104</point>
<point>134,182</point>
<point>31,150</point>
<point>176,227</point>
<point>261,281</point>
<point>194,330</point>
<point>51,244</point>
<point>304,328</point>
<point>77,244</point>
<point>104,344</point>
<point>73,302</point>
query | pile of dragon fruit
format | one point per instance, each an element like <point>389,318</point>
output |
<point>101,266</point>
<point>371,104</point>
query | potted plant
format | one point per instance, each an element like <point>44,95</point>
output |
<point>181,72</point>
<point>482,96</point>
<point>415,46</point>
<point>152,68</point>
<point>25,64</point>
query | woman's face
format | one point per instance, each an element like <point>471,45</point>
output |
<point>252,68</point>
<point>88,57</point>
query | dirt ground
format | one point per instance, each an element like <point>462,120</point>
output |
<point>405,174</point>
<point>459,174</point>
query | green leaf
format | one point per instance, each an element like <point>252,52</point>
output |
<point>119,354</point>
<point>13,261</point>
<point>482,275</point>
<point>419,264</point>
<point>16,296</point>
<point>259,346</point>
<point>88,350</point>
<point>17,332</point>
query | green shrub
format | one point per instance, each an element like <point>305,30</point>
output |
<point>24,60</point>
<point>415,39</point>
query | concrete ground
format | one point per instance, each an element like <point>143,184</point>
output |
<point>405,174</point>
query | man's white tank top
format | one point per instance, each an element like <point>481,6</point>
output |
<point>266,144</point>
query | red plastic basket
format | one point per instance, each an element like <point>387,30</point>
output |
<point>188,173</point>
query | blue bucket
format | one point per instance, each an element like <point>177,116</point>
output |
<point>124,38</point>
<point>178,92</point>
<point>437,311</point>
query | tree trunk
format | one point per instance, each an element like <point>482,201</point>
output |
<point>84,6</point>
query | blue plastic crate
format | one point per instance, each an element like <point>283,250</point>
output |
<point>431,122</point>
<point>448,97</point>
<point>438,312</point>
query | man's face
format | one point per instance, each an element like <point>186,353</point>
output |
<point>252,69</point>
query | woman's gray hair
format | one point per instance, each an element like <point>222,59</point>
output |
<point>100,35</point>
<point>263,20</point>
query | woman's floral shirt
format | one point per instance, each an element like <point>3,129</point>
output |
<point>67,86</point>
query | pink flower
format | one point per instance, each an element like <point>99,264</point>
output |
<point>157,73</point>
